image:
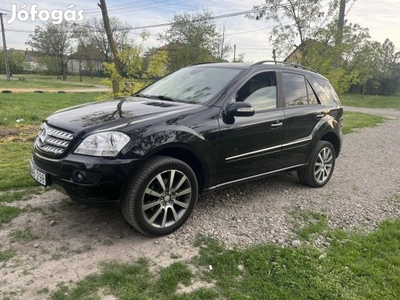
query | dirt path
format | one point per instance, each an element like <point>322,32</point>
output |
<point>96,89</point>
<point>62,241</point>
<point>374,111</point>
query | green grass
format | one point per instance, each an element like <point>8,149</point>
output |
<point>308,224</point>
<point>33,81</point>
<point>15,150</point>
<point>32,108</point>
<point>354,120</point>
<point>17,195</point>
<point>6,255</point>
<point>133,282</point>
<point>14,166</point>
<point>7,213</point>
<point>22,236</point>
<point>354,266</point>
<point>395,198</point>
<point>70,78</point>
<point>370,101</point>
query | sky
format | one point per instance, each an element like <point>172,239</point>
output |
<point>251,37</point>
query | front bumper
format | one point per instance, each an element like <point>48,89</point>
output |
<point>95,181</point>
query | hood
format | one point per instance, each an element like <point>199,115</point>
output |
<point>117,112</point>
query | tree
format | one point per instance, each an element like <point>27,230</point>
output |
<point>297,21</point>
<point>156,63</point>
<point>390,76</point>
<point>87,52</point>
<point>16,60</point>
<point>378,68</point>
<point>192,38</point>
<point>52,41</point>
<point>366,62</point>
<point>140,67</point>
<point>98,36</point>
<point>223,46</point>
<point>91,57</point>
<point>321,54</point>
<point>239,58</point>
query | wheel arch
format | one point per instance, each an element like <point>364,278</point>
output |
<point>333,138</point>
<point>190,159</point>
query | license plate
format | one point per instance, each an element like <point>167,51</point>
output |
<point>38,175</point>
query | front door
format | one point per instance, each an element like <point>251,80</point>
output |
<point>249,146</point>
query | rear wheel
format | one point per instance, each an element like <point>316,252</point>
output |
<point>321,165</point>
<point>161,197</point>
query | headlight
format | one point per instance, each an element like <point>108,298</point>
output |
<point>103,144</point>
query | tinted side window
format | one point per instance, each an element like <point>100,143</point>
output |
<point>325,91</point>
<point>260,91</point>
<point>295,89</point>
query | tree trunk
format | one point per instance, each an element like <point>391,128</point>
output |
<point>113,45</point>
<point>363,92</point>
<point>80,70</point>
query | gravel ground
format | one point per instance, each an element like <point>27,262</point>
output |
<point>65,241</point>
<point>366,176</point>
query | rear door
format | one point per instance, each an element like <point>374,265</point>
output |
<point>303,114</point>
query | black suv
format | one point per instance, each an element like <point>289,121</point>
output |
<point>198,129</point>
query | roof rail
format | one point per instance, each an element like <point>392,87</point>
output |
<point>284,64</point>
<point>203,63</point>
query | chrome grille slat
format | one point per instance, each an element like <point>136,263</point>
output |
<point>60,134</point>
<point>56,142</point>
<point>51,149</point>
<point>53,141</point>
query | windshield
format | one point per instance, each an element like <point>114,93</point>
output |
<point>192,84</point>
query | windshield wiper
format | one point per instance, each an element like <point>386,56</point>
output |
<point>158,97</point>
<point>141,95</point>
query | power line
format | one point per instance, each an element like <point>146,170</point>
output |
<point>235,14</point>
<point>260,29</point>
<point>354,1</point>
<point>123,10</point>
<point>125,5</point>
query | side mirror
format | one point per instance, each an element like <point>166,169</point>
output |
<point>240,109</point>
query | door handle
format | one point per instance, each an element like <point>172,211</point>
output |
<point>277,124</point>
<point>320,115</point>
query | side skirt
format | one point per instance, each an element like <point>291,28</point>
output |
<point>221,185</point>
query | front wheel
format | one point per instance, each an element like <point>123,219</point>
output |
<point>320,167</point>
<point>161,197</point>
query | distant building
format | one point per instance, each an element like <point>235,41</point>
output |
<point>296,56</point>
<point>91,62</point>
<point>31,60</point>
<point>314,50</point>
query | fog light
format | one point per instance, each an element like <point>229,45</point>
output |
<point>78,176</point>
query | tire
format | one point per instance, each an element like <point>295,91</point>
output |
<point>320,167</point>
<point>161,197</point>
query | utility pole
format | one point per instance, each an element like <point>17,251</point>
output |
<point>340,31</point>
<point>274,55</point>
<point>5,48</point>
<point>113,45</point>
<point>234,53</point>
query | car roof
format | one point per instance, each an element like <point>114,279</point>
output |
<point>262,65</point>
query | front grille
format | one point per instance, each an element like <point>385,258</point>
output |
<point>53,140</point>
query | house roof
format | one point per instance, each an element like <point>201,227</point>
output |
<point>306,43</point>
